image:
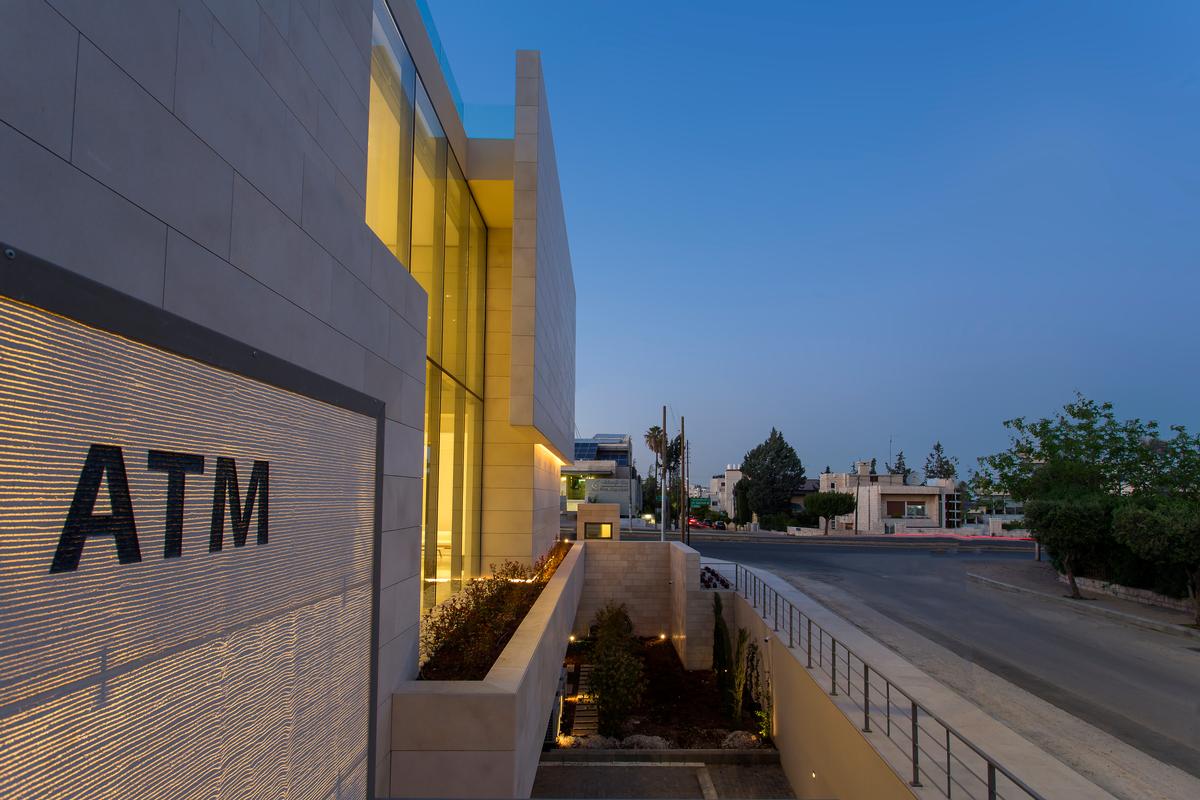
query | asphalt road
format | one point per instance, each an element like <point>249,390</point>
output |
<point>1141,686</point>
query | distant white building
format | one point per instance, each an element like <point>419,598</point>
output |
<point>720,488</point>
<point>890,504</point>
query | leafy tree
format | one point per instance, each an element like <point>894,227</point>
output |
<point>1167,533</point>
<point>937,465</point>
<point>1121,454</point>
<point>1069,513</point>
<point>827,470</point>
<point>775,474</point>
<point>873,472</point>
<point>617,679</point>
<point>899,468</point>
<point>650,498</point>
<point>1070,470</point>
<point>830,505</point>
<point>656,440</point>
<point>741,501</point>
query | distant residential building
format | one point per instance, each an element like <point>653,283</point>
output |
<point>891,504</point>
<point>720,488</point>
<point>603,472</point>
<point>809,486</point>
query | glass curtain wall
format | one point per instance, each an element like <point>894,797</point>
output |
<point>420,206</point>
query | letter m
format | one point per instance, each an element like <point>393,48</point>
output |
<point>226,491</point>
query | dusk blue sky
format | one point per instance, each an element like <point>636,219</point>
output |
<point>863,221</point>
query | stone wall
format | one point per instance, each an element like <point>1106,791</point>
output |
<point>543,353</point>
<point>209,158</point>
<point>1143,597</point>
<point>659,583</point>
<point>637,574</point>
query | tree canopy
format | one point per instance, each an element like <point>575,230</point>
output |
<point>741,502</point>
<point>1089,480</point>
<point>938,465</point>
<point>775,475</point>
<point>900,467</point>
<point>829,505</point>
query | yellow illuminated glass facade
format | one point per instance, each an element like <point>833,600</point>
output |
<point>420,206</point>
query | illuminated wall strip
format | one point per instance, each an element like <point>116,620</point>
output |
<point>234,674</point>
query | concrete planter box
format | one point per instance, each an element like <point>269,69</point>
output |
<point>484,738</point>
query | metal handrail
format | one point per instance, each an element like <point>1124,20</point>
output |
<point>767,600</point>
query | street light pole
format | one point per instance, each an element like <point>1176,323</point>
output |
<point>685,495</point>
<point>662,486</point>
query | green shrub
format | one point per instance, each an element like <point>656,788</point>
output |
<point>737,687</point>
<point>721,652</point>
<point>617,680</point>
<point>758,689</point>
<point>462,637</point>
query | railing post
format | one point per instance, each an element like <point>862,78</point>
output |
<point>810,642</point>
<point>991,781</point>
<point>766,609</point>
<point>791,626</point>
<point>947,763</point>
<point>916,776</point>
<point>866,698</point>
<point>887,701</point>
<point>834,662</point>
<point>777,611</point>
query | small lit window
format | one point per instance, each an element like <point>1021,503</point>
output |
<point>597,530</point>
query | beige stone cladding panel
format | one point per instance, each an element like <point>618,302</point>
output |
<point>260,111</point>
<point>543,292</point>
<point>691,609</point>
<point>637,574</point>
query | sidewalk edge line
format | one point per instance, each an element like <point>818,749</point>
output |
<point>1120,616</point>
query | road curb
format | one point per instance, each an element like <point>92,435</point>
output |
<point>1121,616</point>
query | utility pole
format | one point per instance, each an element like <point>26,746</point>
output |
<point>662,487</point>
<point>685,495</point>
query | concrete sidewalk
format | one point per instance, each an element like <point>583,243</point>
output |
<point>1039,578</point>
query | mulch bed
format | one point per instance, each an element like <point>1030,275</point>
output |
<point>681,706</point>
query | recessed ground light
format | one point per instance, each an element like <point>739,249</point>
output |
<point>571,638</point>
<point>662,636</point>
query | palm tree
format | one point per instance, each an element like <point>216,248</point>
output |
<point>656,440</point>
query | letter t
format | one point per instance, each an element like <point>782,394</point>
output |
<point>177,466</point>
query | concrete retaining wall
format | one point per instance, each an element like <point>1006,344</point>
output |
<point>1143,597</point>
<point>822,752</point>
<point>483,738</point>
<point>659,583</point>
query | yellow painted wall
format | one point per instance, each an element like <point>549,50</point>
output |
<point>520,474</point>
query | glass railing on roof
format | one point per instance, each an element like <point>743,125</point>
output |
<point>481,121</point>
<point>440,52</point>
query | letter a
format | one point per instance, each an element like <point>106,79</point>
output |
<point>81,523</point>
